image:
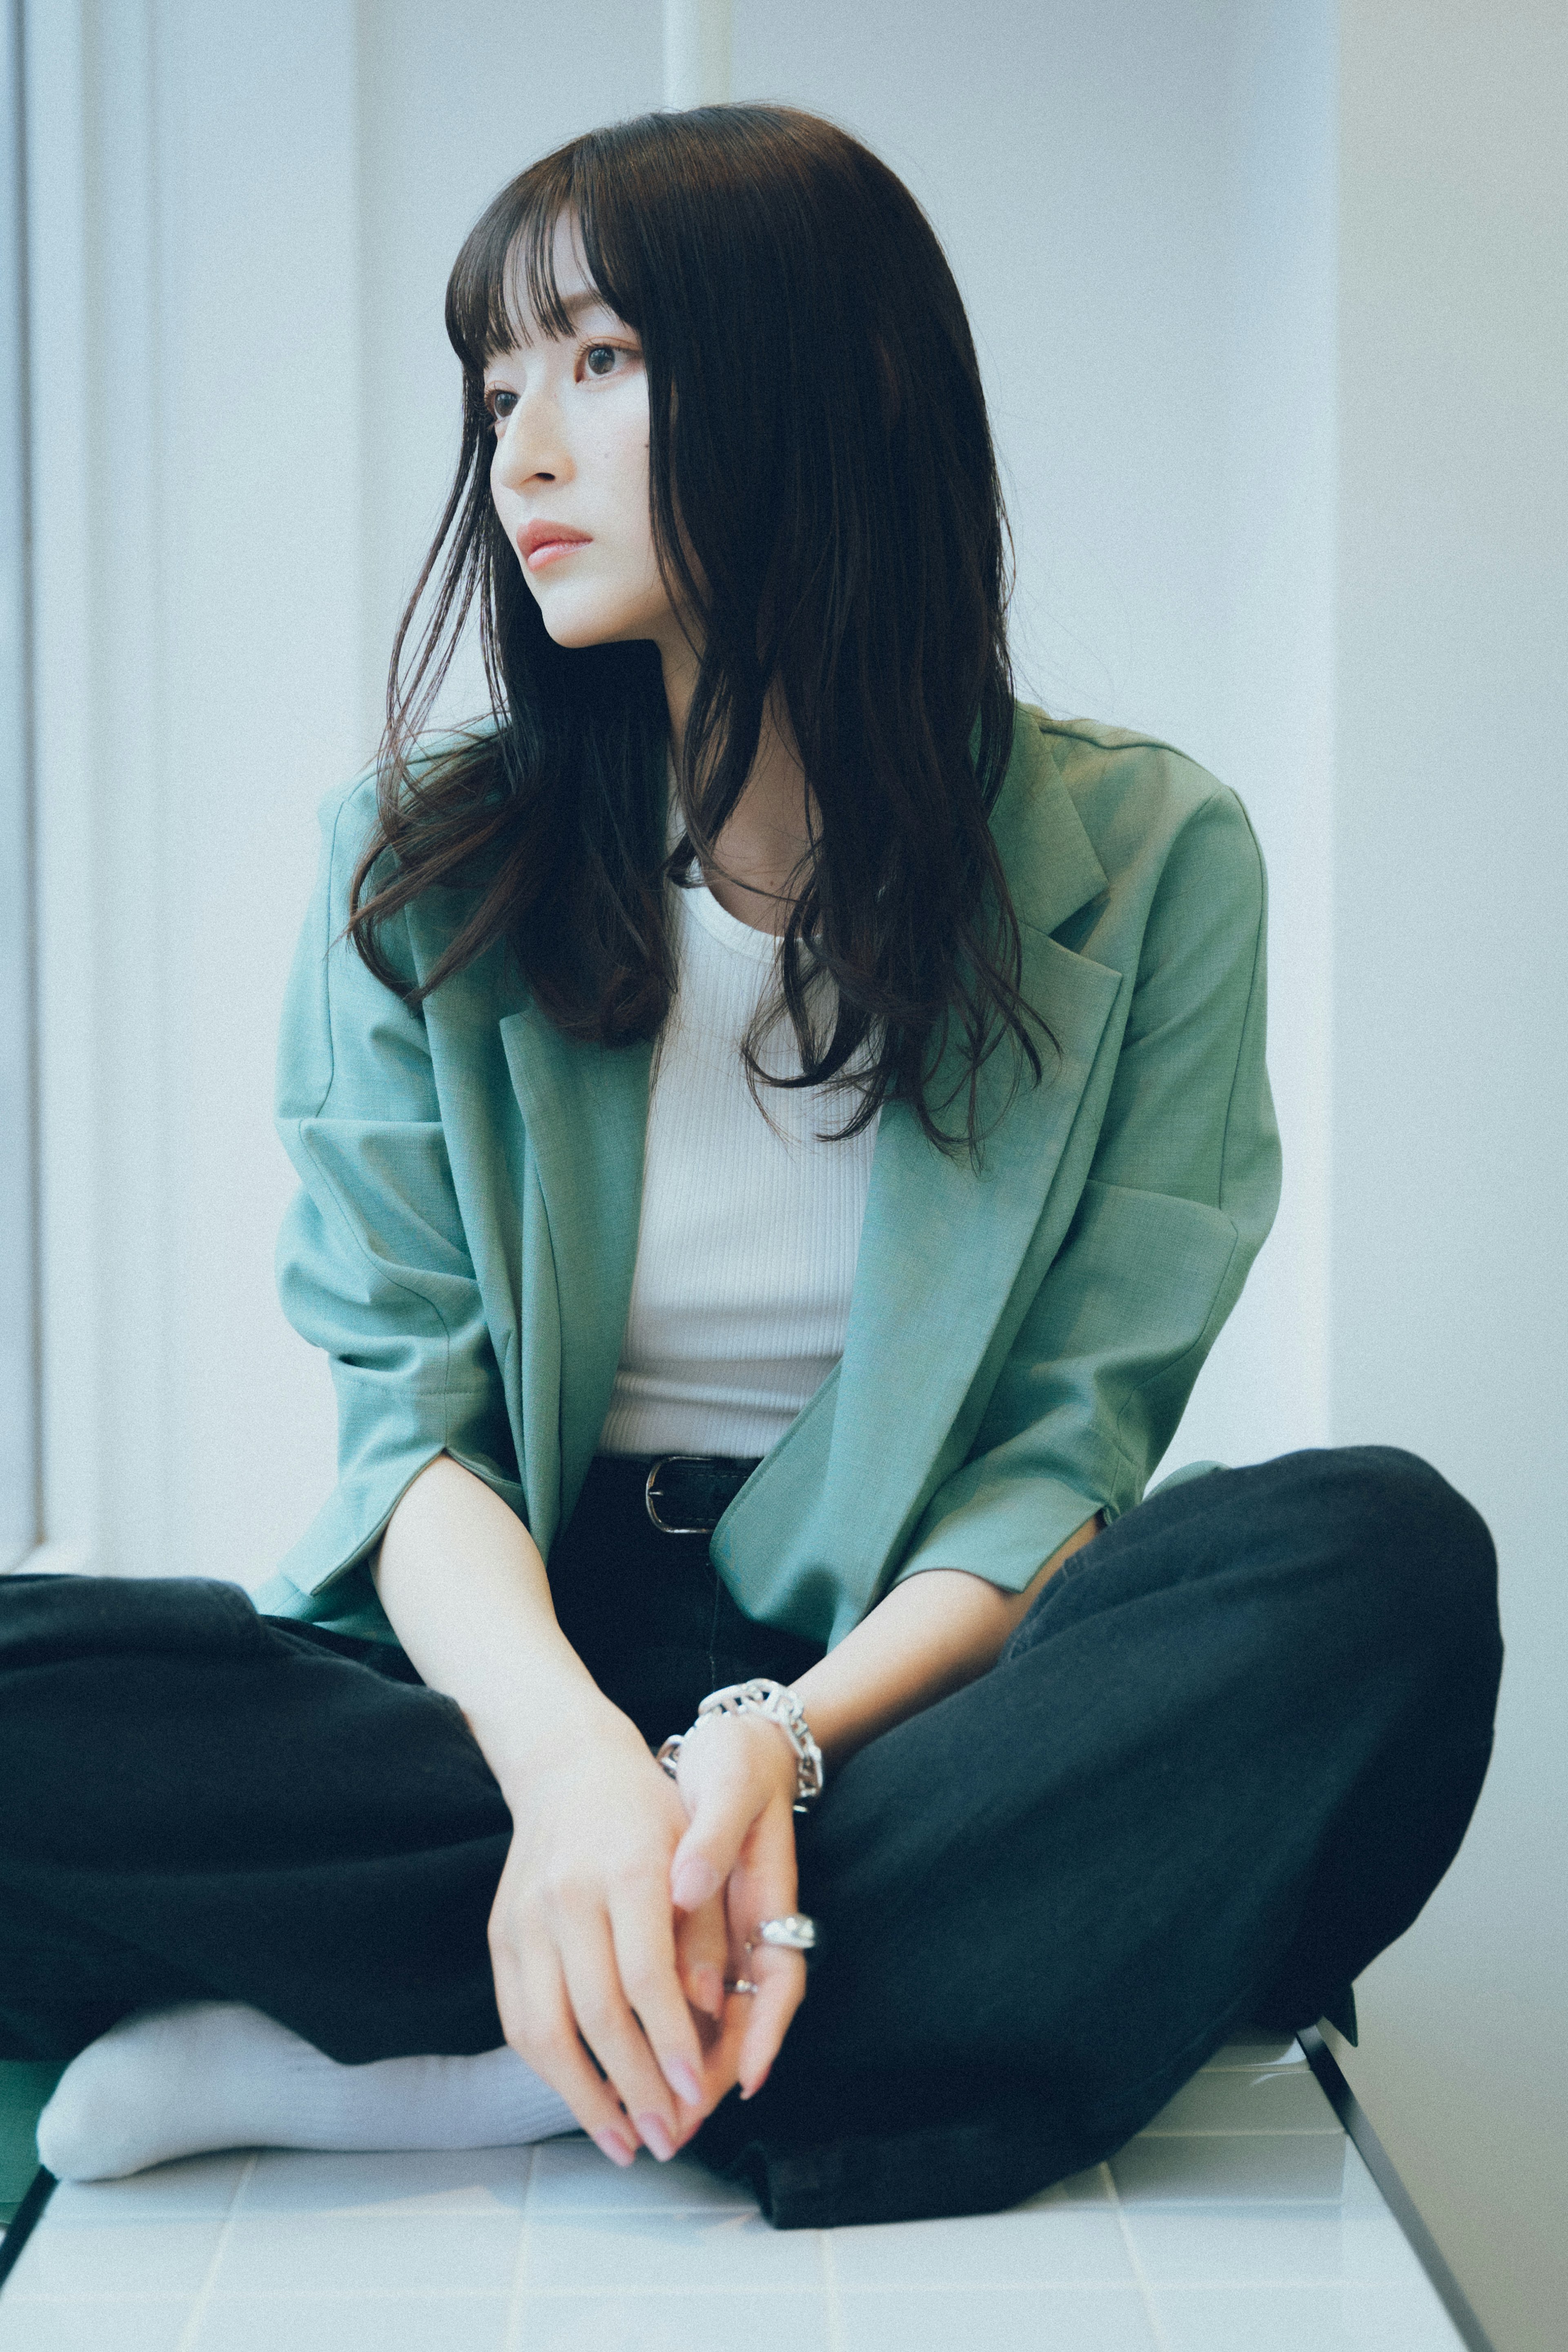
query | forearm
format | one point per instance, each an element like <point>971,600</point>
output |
<point>930,1635</point>
<point>582,1930</point>
<point>464,1587</point>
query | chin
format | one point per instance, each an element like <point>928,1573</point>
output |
<point>575,624</point>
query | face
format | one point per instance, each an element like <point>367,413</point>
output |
<point>570,473</point>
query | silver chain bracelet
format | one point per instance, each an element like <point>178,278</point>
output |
<point>779,1706</point>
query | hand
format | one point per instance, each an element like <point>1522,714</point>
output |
<point>734,1866</point>
<point>582,1938</point>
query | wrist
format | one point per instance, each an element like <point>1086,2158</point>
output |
<point>770,1702</point>
<point>759,1736</point>
<point>554,1718</point>
<point>767,1732</point>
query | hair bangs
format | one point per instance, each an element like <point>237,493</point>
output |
<point>503,288</point>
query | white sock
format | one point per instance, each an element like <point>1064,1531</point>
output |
<point>206,2075</point>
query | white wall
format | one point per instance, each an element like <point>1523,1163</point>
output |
<point>194,379</point>
<point>1449,1311</point>
<point>455,99</point>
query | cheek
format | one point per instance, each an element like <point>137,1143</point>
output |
<point>625,460</point>
<point>500,496</point>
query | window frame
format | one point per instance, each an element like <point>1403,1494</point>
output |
<point>20,1403</point>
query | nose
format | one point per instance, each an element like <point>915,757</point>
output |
<point>531,445</point>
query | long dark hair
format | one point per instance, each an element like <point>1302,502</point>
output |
<point>819,440</point>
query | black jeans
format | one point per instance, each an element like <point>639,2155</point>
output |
<point>1220,1764</point>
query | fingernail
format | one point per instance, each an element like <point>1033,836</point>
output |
<point>750,2092</point>
<point>657,2133</point>
<point>684,2082</point>
<point>614,2147</point>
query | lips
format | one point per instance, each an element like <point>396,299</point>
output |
<point>542,542</point>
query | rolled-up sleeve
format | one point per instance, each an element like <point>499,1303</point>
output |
<point>1180,1196</point>
<point>373,1263</point>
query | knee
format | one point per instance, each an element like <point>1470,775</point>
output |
<point>1401,1560</point>
<point>1434,1549</point>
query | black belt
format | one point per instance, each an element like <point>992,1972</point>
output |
<point>688,1494</point>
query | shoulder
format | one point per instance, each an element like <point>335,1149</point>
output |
<point>350,813</point>
<point>1119,780</point>
<point>1141,811</point>
<point>347,817</point>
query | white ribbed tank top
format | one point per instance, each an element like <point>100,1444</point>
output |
<point>748,1234</point>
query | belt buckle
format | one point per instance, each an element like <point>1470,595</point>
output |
<point>651,1489</point>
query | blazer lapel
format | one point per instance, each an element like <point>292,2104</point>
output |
<point>940,1254</point>
<point>939,1258</point>
<point>585,1110</point>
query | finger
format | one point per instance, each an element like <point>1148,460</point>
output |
<point>643,1934</point>
<point>711,1846</point>
<point>702,1955</point>
<point>536,2020</point>
<point>602,2006</point>
<point>766,2014</point>
<point>764,1886</point>
<point>727,1780</point>
<point>780,1989</point>
<point>755,2024</point>
<point>722,2070</point>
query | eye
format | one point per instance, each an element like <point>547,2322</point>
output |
<point>595,353</point>
<point>499,403</point>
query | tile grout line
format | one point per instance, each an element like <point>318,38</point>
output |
<point>1314,2283</point>
<point>1088,2284</point>
<point>520,2266</point>
<point>836,2340</point>
<point>1151,2312</point>
<point>283,2294</point>
<point>1331,2130</point>
<point>203,2293</point>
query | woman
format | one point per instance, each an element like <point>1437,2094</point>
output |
<point>780,1126</point>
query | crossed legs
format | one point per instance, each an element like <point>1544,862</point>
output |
<point>1221,1764</point>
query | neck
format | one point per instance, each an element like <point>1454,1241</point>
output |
<point>766,835</point>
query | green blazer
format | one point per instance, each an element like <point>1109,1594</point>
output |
<point>1021,1340</point>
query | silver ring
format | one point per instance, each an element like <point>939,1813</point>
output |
<point>794,1932</point>
<point>738,1984</point>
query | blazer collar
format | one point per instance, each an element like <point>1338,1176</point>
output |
<point>585,1112</point>
<point>1048,857</point>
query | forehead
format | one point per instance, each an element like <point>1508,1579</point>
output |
<point>549,292</point>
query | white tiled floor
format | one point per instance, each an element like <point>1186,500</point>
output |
<point>1242,2218</point>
